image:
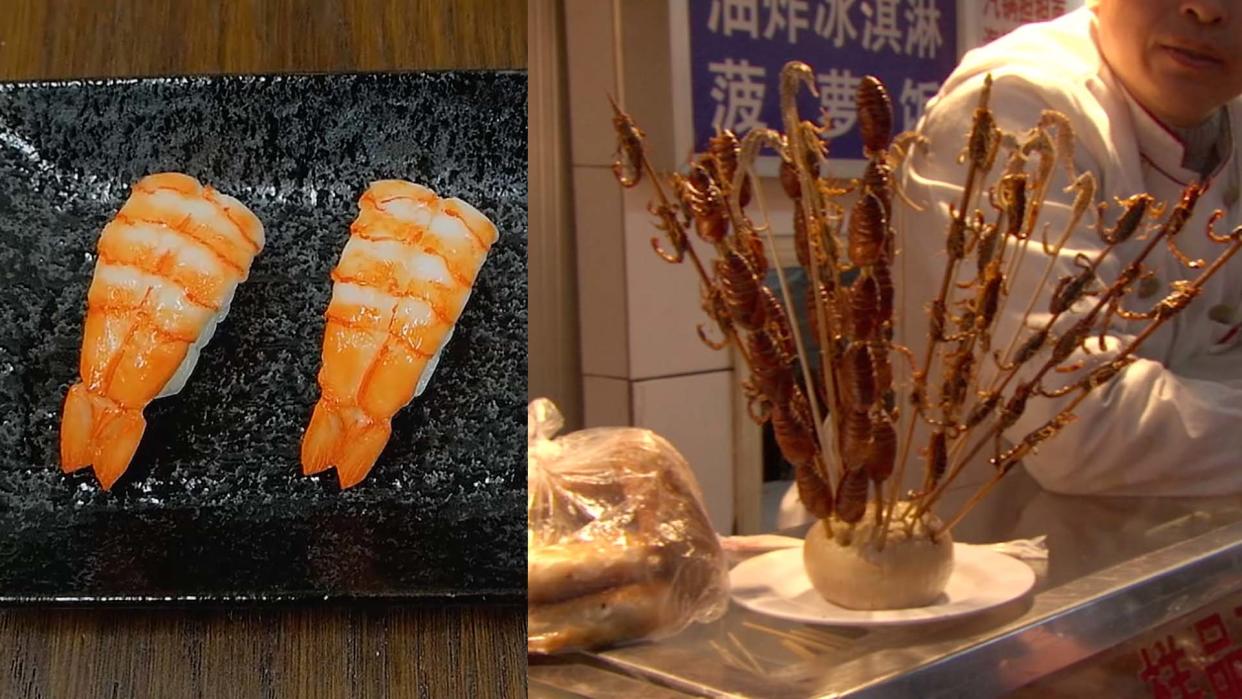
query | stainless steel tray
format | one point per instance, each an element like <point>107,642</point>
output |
<point>1117,567</point>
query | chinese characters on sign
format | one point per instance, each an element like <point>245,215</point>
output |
<point>1210,665</point>
<point>1003,16</point>
<point>737,49</point>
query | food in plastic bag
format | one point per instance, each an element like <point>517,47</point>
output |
<point>620,546</point>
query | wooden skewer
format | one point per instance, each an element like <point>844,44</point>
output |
<point>819,637</point>
<point>973,171</point>
<point>1171,227</point>
<point>729,658</point>
<point>742,649</point>
<point>786,635</point>
<point>804,360</point>
<point>798,650</point>
<point>1128,351</point>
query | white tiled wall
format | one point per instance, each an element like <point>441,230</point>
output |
<point>664,303</point>
<point>600,238</point>
<point>642,361</point>
<point>694,413</point>
<point>606,402</point>
<point>591,76</point>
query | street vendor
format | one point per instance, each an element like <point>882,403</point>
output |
<point>1152,91</point>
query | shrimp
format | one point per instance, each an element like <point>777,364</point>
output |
<point>401,284</point>
<point>168,265</point>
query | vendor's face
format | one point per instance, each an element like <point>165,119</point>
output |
<point>1182,59</point>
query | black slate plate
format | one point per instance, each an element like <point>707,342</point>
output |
<point>213,506</point>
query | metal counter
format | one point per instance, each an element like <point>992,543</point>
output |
<point>1117,568</point>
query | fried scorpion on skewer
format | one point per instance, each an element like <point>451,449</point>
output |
<point>837,422</point>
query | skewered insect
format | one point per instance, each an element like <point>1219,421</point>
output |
<point>704,198</point>
<point>1013,202</point>
<point>877,181</point>
<point>739,286</point>
<point>789,180</point>
<point>984,138</point>
<point>629,158</point>
<point>860,373</point>
<point>937,459</point>
<point>814,492</point>
<point>875,115</point>
<point>855,443</point>
<point>1016,405</point>
<point>850,300</point>
<point>1027,350</point>
<point>724,148</point>
<point>884,284</point>
<point>955,243</point>
<point>883,450</point>
<point>985,406</point>
<point>865,306</point>
<point>793,435</point>
<point>1135,208</point>
<point>957,378</point>
<point>985,249</point>
<point>936,317</point>
<point>851,501</point>
<point>672,228</point>
<point>1071,339</point>
<point>1070,289</point>
<point>829,306</point>
<point>867,231</point>
<point>770,367</point>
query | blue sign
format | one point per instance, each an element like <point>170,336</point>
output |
<point>737,49</point>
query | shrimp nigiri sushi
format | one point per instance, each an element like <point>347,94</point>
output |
<point>403,278</point>
<point>167,269</point>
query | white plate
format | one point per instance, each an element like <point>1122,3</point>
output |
<point>776,584</point>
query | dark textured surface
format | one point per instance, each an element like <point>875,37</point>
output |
<point>214,505</point>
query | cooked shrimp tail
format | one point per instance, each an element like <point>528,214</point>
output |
<point>98,431</point>
<point>402,281</point>
<point>352,445</point>
<point>168,265</point>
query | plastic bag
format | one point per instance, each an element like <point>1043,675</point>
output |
<point>620,546</point>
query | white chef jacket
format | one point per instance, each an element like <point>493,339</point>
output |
<point>1171,424</point>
